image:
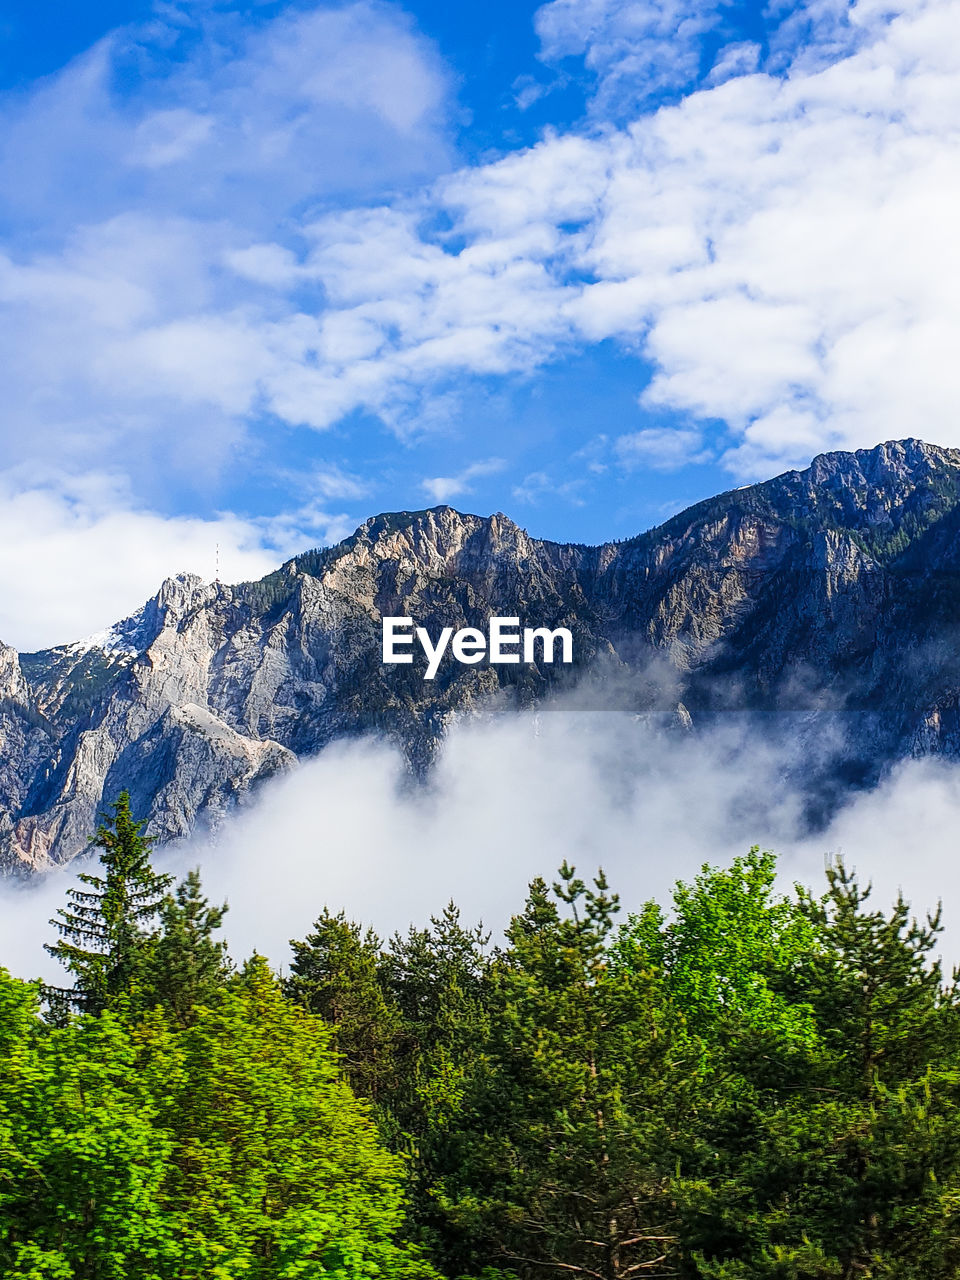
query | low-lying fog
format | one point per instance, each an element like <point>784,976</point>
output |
<point>509,800</point>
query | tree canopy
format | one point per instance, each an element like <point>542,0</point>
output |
<point>739,1084</point>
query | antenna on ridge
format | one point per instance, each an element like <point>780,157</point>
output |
<point>217,576</point>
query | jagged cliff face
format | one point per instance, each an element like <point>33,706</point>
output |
<point>832,591</point>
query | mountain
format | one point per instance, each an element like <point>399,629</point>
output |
<point>827,598</point>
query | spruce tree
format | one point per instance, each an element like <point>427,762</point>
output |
<point>103,927</point>
<point>568,1167</point>
<point>852,1169</point>
<point>337,973</point>
<point>185,966</point>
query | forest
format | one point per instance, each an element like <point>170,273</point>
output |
<point>738,1084</point>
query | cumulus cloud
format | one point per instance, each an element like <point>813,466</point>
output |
<point>636,48</point>
<point>77,554</point>
<point>642,49</point>
<point>778,249</point>
<point>510,800</point>
<point>139,311</point>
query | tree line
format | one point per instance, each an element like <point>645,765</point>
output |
<point>747,1085</point>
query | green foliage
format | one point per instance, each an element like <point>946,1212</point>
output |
<point>102,929</point>
<point>587,1079</point>
<point>230,1148</point>
<point>270,595</point>
<point>853,1168</point>
<point>83,1159</point>
<point>409,1020</point>
<point>182,966</point>
<point>336,974</point>
<point>278,1171</point>
<point>751,1086</point>
<point>747,1085</point>
<point>728,952</point>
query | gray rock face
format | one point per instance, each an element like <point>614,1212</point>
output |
<point>832,592</point>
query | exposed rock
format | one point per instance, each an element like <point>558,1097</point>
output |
<point>832,592</point>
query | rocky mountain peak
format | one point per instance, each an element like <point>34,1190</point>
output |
<point>13,686</point>
<point>820,580</point>
<point>184,591</point>
<point>436,539</point>
<point>895,461</point>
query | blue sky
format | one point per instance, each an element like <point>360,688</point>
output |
<point>267,269</point>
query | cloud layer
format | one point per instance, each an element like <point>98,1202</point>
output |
<point>511,799</point>
<point>778,249</point>
<point>142,307</point>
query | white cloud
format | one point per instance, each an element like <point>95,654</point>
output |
<point>738,59</point>
<point>443,488</point>
<point>76,555</point>
<point>635,47</point>
<point>141,306</point>
<point>510,800</point>
<point>222,119</point>
<point>780,248</point>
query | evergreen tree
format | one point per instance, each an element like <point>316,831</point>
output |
<point>438,979</point>
<point>277,1170</point>
<point>568,1168</point>
<point>337,972</point>
<point>876,987</point>
<point>852,1170</point>
<point>102,929</point>
<point>183,966</point>
<point>748,1087</point>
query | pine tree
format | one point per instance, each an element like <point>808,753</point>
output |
<point>853,1169</point>
<point>569,1166</point>
<point>102,928</point>
<point>438,979</point>
<point>337,973</point>
<point>184,967</point>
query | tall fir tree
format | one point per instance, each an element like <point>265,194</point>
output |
<point>337,973</point>
<point>103,928</point>
<point>184,966</point>
<point>568,1166</point>
<point>852,1169</point>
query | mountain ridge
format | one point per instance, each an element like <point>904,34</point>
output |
<point>832,589</point>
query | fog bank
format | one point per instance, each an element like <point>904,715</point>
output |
<point>511,799</point>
